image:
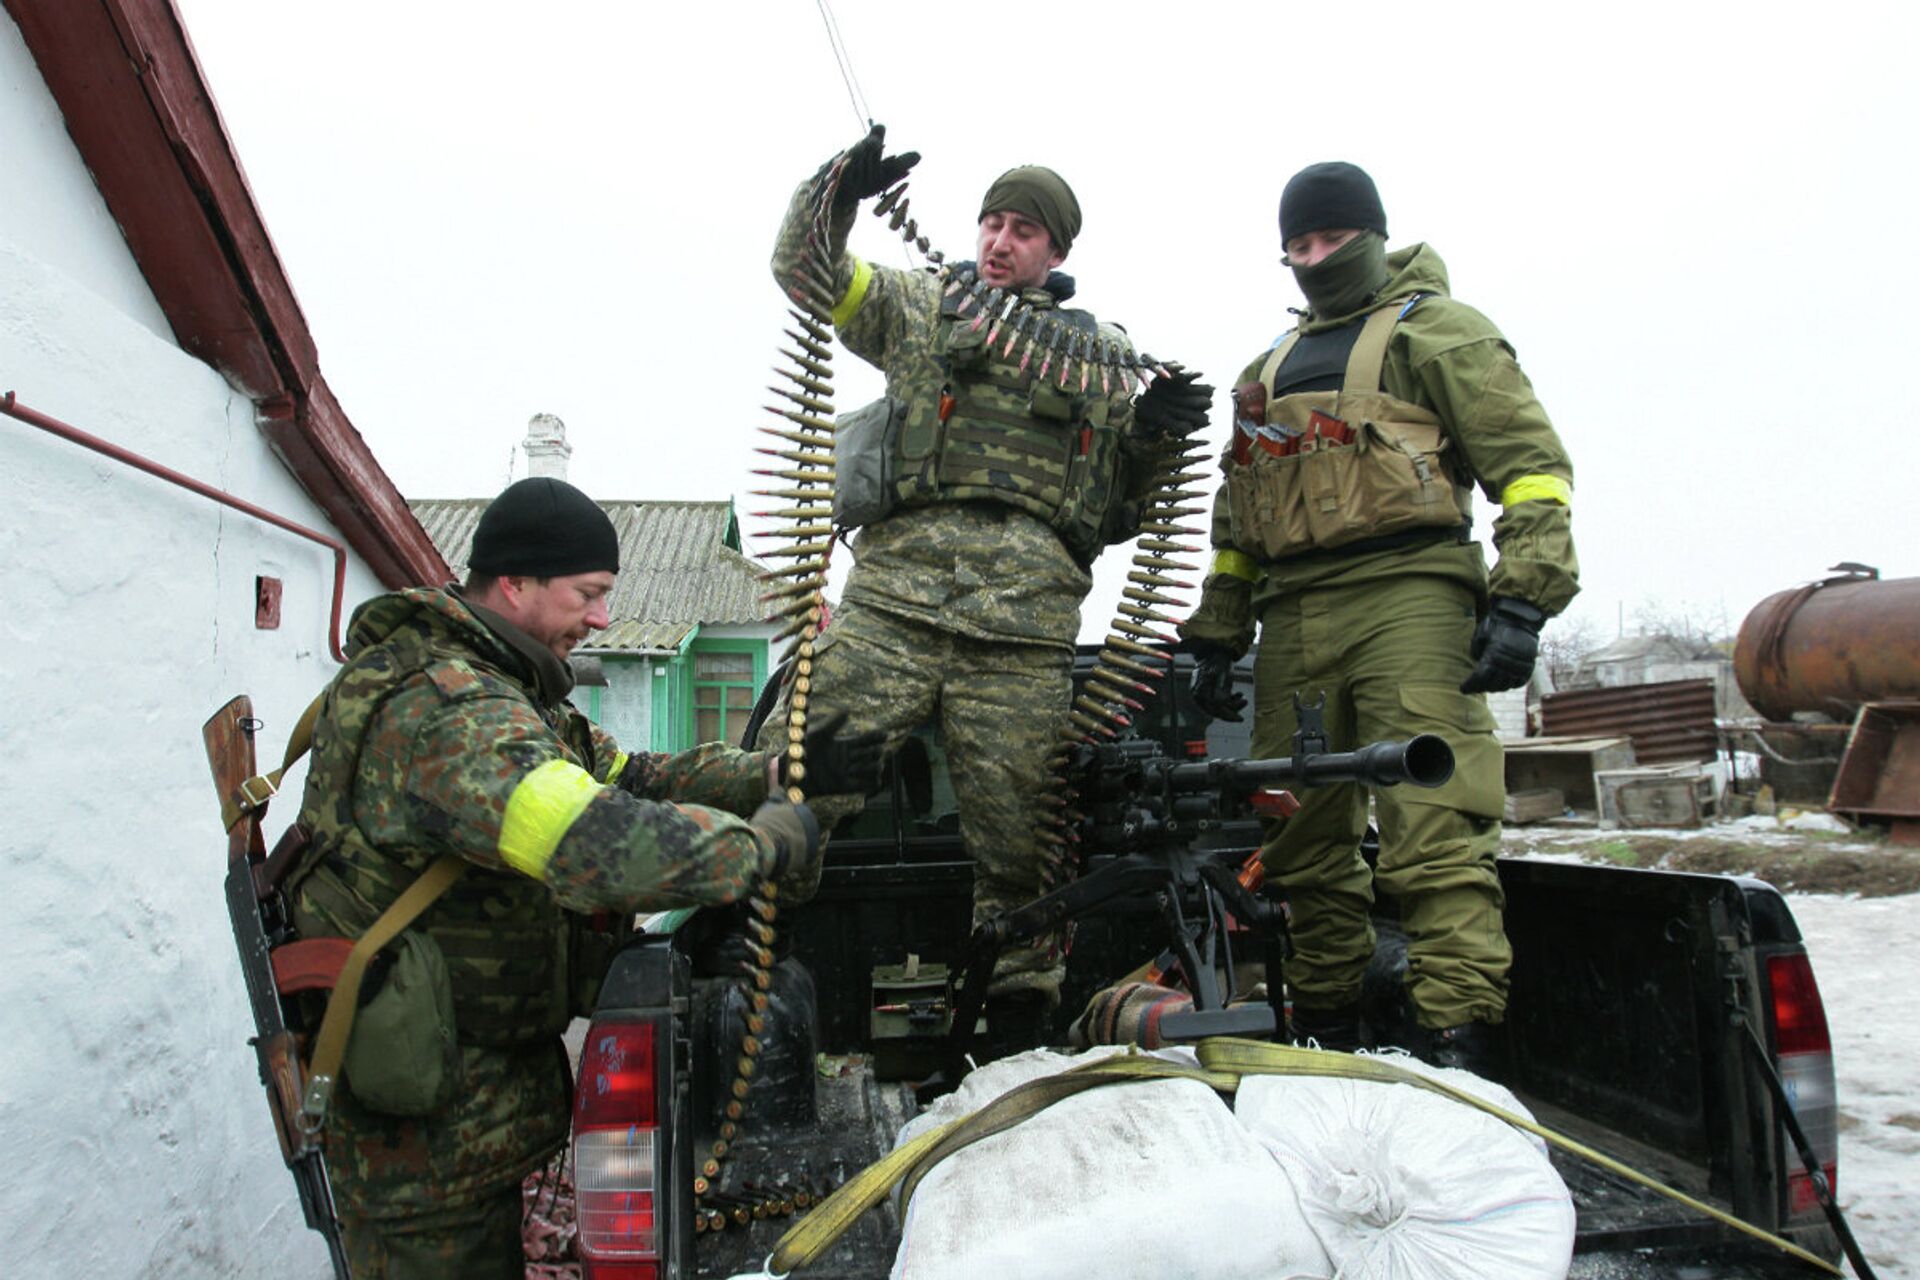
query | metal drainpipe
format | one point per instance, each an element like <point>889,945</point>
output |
<point>32,417</point>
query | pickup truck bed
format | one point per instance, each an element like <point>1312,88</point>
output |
<point>1627,985</point>
<point>1635,997</point>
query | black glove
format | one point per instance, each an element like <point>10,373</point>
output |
<point>1174,406</point>
<point>869,169</point>
<point>1505,645</point>
<point>1212,686</point>
<point>839,762</point>
<point>795,834</point>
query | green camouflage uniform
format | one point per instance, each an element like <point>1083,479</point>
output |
<point>1386,635</point>
<point>967,608</point>
<point>448,732</point>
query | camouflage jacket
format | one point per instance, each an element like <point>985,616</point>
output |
<point>438,737</point>
<point>1446,357</point>
<point>981,568</point>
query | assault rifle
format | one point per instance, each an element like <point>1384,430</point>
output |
<point>260,924</point>
<point>1155,813</point>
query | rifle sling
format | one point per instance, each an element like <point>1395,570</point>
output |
<point>310,967</point>
<point>253,794</point>
<point>337,1023</point>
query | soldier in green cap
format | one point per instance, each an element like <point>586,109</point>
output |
<point>1343,528</point>
<point>449,732</point>
<point>989,490</point>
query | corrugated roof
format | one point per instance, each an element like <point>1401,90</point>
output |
<point>1671,720</point>
<point>680,567</point>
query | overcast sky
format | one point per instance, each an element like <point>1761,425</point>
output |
<point>1691,220</point>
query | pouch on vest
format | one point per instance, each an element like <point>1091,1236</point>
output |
<point>863,480</point>
<point>1388,470</point>
<point>402,1057</point>
<point>1090,517</point>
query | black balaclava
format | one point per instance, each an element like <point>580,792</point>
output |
<point>1347,279</point>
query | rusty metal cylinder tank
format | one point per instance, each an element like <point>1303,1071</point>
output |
<point>1831,646</point>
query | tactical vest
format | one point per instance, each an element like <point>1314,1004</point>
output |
<point>994,433</point>
<point>1354,468</point>
<point>504,938</point>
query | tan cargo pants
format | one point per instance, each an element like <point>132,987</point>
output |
<point>1000,706</point>
<point>1389,656</point>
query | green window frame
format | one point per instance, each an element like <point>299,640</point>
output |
<point>726,678</point>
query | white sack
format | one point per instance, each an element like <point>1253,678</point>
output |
<point>1154,1180</point>
<point>1400,1183</point>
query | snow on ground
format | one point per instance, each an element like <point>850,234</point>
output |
<point>1866,957</point>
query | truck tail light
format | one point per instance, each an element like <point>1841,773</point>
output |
<point>615,1133</point>
<point>1804,1051</point>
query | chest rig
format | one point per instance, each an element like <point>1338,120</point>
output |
<point>506,942</point>
<point>1344,469</point>
<point>998,430</point>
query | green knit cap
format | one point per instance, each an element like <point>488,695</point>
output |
<point>1039,193</point>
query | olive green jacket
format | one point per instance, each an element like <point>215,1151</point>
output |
<point>1446,357</point>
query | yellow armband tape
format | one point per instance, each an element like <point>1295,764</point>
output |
<point>855,295</point>
<point>540,812</point>
<point>1235,564</point>
<point>1537,488</point>
<point>620,759</point>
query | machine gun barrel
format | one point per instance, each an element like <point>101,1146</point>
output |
<point>1424,760</point>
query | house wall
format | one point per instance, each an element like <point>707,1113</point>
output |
<point>627,707</point>
<point>52,211</point>
<point>133,1132</point>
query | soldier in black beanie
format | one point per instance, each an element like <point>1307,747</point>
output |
<point>1343,531</point>
<point>1329,196</point>
<point>447,741</point>
<point>544,528</point>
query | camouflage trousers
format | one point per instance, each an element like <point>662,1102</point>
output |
<point>1000,707</point>
<point>478,1241</point>
<point>1389,656</point>
<point>414,1189</point>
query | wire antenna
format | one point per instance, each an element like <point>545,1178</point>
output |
<point>845,60</point>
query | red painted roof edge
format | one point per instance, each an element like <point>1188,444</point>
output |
<point>138,108</point>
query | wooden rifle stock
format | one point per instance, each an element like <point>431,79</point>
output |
<point>257,916</point>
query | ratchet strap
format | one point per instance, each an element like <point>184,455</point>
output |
<point>1223,1061</point>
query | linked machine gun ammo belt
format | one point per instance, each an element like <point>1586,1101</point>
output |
<point>1152,811</point>
<point>801,444</point>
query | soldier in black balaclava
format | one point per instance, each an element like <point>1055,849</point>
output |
<point>1343,528</point>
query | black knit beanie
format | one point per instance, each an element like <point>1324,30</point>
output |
<point>1328,197</point>
<point>543,528</point>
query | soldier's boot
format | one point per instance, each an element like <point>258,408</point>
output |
<point>1336,1027</point>
<point>1468,1046</point>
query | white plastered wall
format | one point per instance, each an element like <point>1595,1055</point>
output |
<point>134,1139</point>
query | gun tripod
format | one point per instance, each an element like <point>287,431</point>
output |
<point>1200,944</point>
<point>1154,807</point>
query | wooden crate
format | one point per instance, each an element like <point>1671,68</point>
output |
<point>1534,805</point>
<point>1565,764</point>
